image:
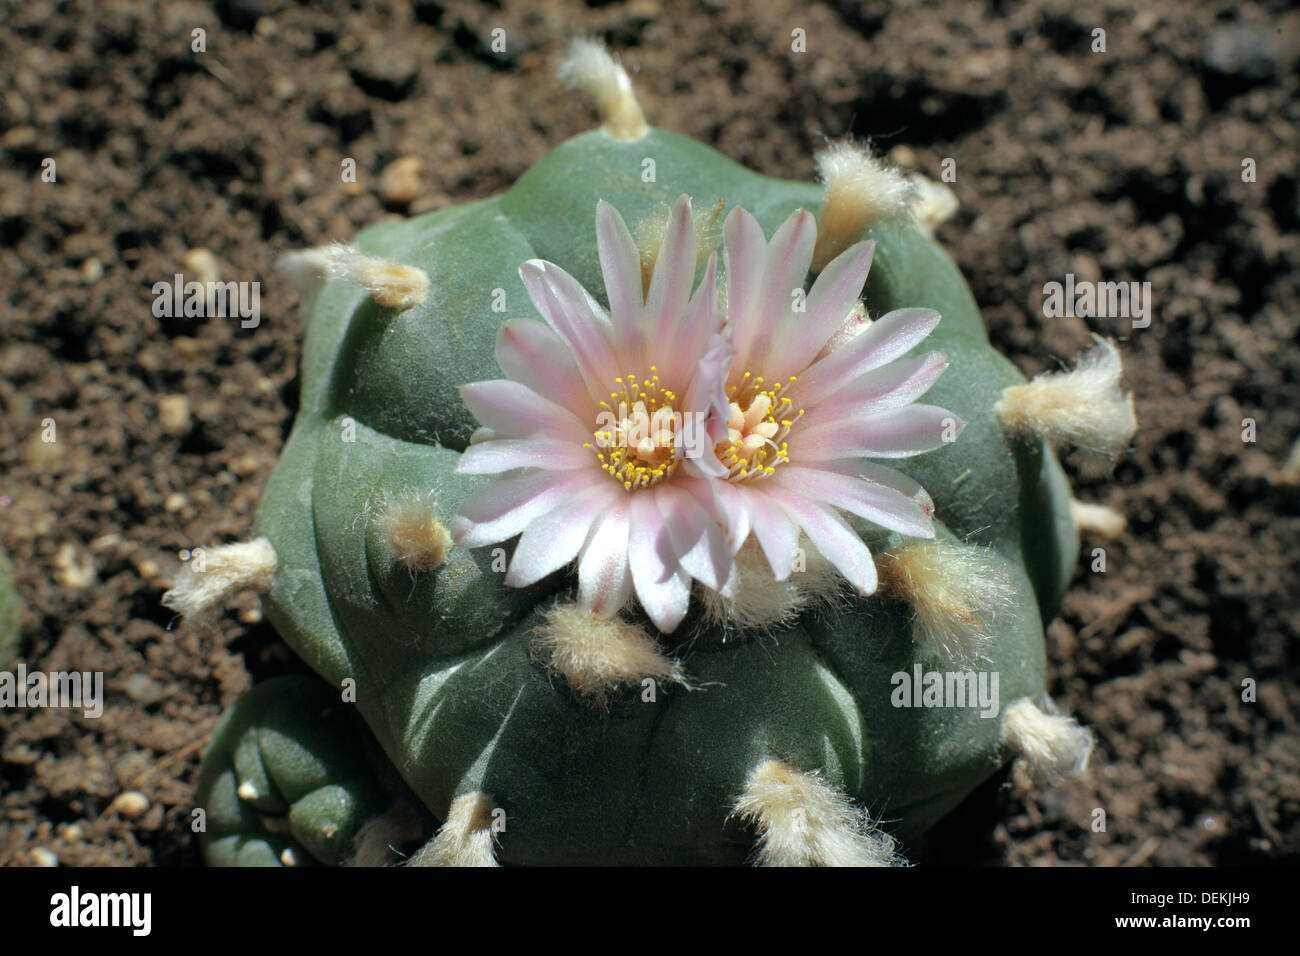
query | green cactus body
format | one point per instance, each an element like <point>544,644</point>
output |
<point>446,676</point>
<point>10,635</point>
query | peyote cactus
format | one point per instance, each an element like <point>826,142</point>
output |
<point>727,631</point>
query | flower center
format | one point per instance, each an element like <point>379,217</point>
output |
<point>760,421</point>
<point>636,432</point>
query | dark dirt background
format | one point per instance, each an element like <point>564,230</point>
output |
<point>1124,166</point>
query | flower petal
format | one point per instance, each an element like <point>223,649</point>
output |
<point>831,535</point>
<point>554,539</point>
<point>888,338</point>
<point>878,504</point>
<point>896,433</point>
<point>830,300</point>
<point>874,471</point>
<point>529,352</point>
<point>661,585</point>
<point>727,502</point>
<point>899,383</point>
<point>508,505</point>
<point>699,542</point>
<point>567,308</point>
<point>670,285</point>
<point>620,264</point>
<point>700,324</point>
<point>506,454</point>
<point>706,409</point>
<point>513,410</point>
<point>743,253</point>
<point>777,535</point>
<point>785,265</point>
<point>604,578</point>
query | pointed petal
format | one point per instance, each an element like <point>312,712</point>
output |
<point>899,383</point>
<point>662,587</point>
<point>830,300</point>
<point>670,286</point>
<point>896,433</point>
<point>878,504</point>
<point>697,539</point>
<point>777,535</point>
<point>604,578</point>
<point>554,539</point>
<point>701,323</point>
<point>785,267</point>
<point>567,309</point>
<point>706,410</point>
<point>505,454</point>
<point>620,264</point>
<point>513,410</point>
<point>831,535</point>
<point>743,253</point>
<point>508,505</point>
<point>529,352</point>
<point>888,338</point>
<point>874,471</point>
<point>729,506</point>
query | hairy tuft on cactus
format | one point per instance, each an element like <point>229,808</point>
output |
<point>616,532</point>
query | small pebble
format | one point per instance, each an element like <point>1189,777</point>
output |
<point>1243,51</point>
<point>244,465</point>
<point>43,857</point>
<point>201,265</point>
<point>74,568</point>
<point>385,73</point>
<point>92,270</point>
<point>186,347</point>
<point>400,180</point>
<point>19,137</point>
<point>174,414</point>
<point>143,689</point>
<point>132,804</point>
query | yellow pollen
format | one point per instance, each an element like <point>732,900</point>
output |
<point>755,445</point>
<point>639,433</point>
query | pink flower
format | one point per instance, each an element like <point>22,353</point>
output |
<point>597,431</point>
<point>649,441</point>
<point>813,393</point>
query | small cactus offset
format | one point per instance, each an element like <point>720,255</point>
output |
<point>613,510</point>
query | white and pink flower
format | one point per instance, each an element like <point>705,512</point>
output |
<point>649,441</point>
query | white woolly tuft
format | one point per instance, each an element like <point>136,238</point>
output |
<point>1083,407</point>
<point>802,821</point>
<point>595,654</point>
<point>761,601</point>
<point>392,284</point>
<point>588,67</point>
<point>377,841</point>
<point>1100,520</point>
<point>215,575</point>
<point>466,839</point>
<point>958,591</point>
<point>412,529</point>
<point>1050,746</point>
<point>860,189</point>
<point>936,203</point>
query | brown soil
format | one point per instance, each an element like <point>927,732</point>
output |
<point>1121,165</point>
